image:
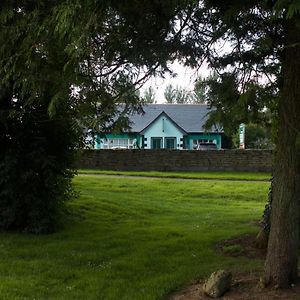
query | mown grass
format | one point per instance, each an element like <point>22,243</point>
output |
<point>130,239</point>
<point>226,175</point>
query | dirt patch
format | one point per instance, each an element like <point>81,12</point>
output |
<point>244,287</point>
<point>241,246</point>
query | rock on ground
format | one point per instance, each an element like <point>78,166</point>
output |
<point>217,284</point>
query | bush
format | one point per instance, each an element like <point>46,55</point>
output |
<point>37,158</point>
<point>256,137</point>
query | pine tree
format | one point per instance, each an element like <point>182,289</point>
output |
<point>60,63</point>
<point>149,95</point>
<point>262,55</point>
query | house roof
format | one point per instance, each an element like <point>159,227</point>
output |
<point>164,114</point>
<point>189,117</point>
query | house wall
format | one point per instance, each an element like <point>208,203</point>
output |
<point>177,160</point>
<point>156,131</point>
<point>163,127</point>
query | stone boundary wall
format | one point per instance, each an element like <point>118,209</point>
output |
<point>177,160</point>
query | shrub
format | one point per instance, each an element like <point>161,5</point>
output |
<point>37,156</point>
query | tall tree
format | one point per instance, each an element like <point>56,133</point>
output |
<point>61,61</point>
<point>199,90</point>
<point>255,105</point>
<point>169,94</point>
<point>178,95</point>
<point>39,135</point>
<point>263,38</point>
<point>149,95</point>
<point>284,233</point>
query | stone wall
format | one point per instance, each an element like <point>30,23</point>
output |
<point>177,160</point>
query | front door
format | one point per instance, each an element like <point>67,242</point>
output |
<point>156,143</point>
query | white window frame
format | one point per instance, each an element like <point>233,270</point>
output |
<point>118,143</point>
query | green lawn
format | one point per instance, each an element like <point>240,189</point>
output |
<point>132,239</point>
<point>227,175</point>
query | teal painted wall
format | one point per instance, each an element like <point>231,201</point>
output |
<point>216,137</point>
<point>163,127</point>
<point>170,130</point>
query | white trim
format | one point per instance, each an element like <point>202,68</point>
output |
<point>118,143</point>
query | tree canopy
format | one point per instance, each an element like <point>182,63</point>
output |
<point>178,95</point>
<point>254,48</point>
<point>149,95</point>
<point>62,62</point>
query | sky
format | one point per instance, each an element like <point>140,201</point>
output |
<point>185,77</point>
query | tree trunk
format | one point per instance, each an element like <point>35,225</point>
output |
<point>262,237</point>
<point>281,267</point>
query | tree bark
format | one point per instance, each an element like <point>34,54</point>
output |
<point>281,266</point>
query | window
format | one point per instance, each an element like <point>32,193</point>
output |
<point>156,143</point>
<point>170,143</point>
<point>198,142</point>
<point>121,143</point>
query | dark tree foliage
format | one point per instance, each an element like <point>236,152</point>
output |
<point>39,135</point>
<point>36,166</point>
<point>199,91</point>
<point>257,137</point>
<point>60,63</point>
<point>242,43</point>
<point>260,68</point>
<point>256,105</point>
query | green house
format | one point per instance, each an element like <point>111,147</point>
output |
<point>166,126</point>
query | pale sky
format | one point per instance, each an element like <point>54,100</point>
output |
<point>185,78</point>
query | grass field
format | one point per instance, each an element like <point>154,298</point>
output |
<point>251,176</point>
<point>132,239</point>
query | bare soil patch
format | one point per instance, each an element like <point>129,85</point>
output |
<point>244,286</point>
<point>241,246</point>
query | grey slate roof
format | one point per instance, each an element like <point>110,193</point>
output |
<point>190,117</point>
